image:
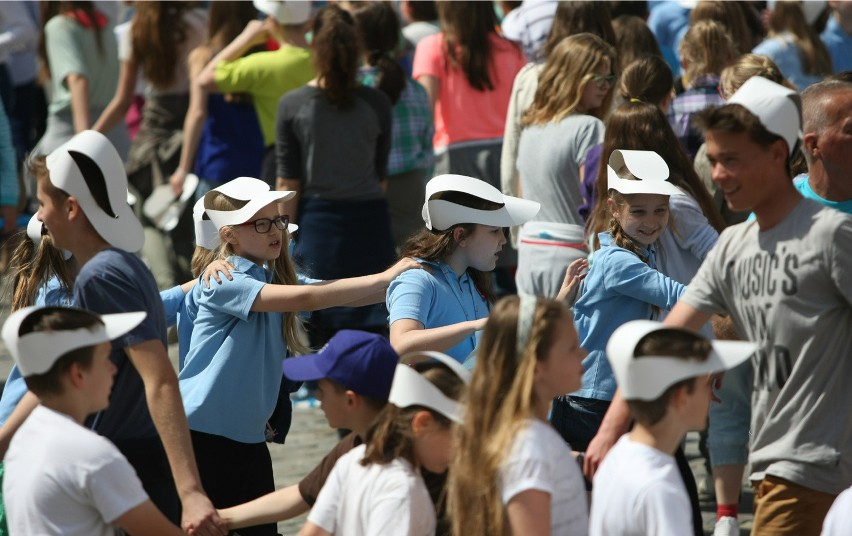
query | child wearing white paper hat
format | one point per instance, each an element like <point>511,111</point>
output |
<point>512,473</point>
<point>62,478</point>
<point>377,488</point>
<point>665,375</point>
<point>242,330</point>
<point>623,284</point>
<point>443,306</point>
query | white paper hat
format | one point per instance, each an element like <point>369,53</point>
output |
<point>647,377</point>
<point>35,232</point>
<point>90,155</point>
<point>285,12</point>
<point>410,388</point>
<point>440,215</point>
<point>244,188</point>
<point>779,108</point>
<point>647,166</point>
<point>36,352</point>
<point>164,208</point>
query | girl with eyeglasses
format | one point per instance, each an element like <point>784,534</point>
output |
<point>564,121</point>
<point>242,330</point>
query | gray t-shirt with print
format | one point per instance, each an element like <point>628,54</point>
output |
<point>790,290</point>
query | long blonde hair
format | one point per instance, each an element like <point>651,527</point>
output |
<point>283,270</point>
<point>569,68</point>
<point>33,265</point>
<point>498,403</point>
<point>706,49</point>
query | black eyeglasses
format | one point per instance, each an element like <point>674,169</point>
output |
<point>602,80</point>
<point>263,225</point>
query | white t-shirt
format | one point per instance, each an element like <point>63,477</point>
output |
<point>839,518</point>
<point>378,499</point>
<point>61,478</point>
<point>540,459</point>
<point>638,491</point>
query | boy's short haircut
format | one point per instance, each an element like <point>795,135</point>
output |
<point>373,402</point>
<point>674,343</point>
<point>735,119</point>
<point>58,319</point>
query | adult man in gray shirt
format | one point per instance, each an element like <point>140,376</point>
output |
<point>786,281</point>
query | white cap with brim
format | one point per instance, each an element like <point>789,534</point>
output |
<point>647,377</point>
<point>251,190</point>
<point>647,166</point>
<point>777,107</point>
<point>90,155</point>
<point>440,215</point>
<point>36,352</point>
<point>285,12</point>
<point>410,388</point>
<point>35,232</point>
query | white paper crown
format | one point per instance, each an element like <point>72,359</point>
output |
<point>409,388</point>
<point>647,166</point>
<point>257,193</point>
<point>777,107</point>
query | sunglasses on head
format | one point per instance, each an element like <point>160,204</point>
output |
<point>262,225</point>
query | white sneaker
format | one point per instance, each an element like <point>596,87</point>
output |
<point>727,526</point>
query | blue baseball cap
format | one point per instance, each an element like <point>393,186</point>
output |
<point>360,361</point>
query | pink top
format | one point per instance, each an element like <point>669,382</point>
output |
<point>463,113</point>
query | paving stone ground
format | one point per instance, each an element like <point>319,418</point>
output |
<point>310,438</point>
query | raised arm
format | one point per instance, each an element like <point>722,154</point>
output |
<point>293,298</point>
<point>166,407</point>
<point>255,33</point>
<point>121,101</point>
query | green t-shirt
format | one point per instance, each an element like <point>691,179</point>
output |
<point>73,49</point>
<point>266,76</point>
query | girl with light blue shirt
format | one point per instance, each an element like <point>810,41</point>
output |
<point>443,306</point>
<point>242,330</point>
<point>623,284</point>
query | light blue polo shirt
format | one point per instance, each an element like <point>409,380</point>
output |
<point>232,372</point>
<point>839,45</point>
<point>436,297</point>
<point>801,184</point>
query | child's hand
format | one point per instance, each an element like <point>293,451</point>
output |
<point>574,275</point>
<point>213,270</point>
<point>401,265</point>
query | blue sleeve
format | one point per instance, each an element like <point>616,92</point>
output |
<point>107,292</point>
<point>172,300</point>
<point>691,228</point>
<point>234,297</point>
<point>626,274</point>
<point>410,296</point>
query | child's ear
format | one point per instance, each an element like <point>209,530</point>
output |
<point>352,399</point>
<point>228,235</point>
<point>75,375</point>
<point>422,422</point>
<point>72,208</point>
<point>459,235</point>
<point>613,208</point>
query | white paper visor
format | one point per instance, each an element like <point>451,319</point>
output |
<point>440,215</point>
<point>424,356</point>
<point>36,352</point>
<point>409,388</point>
<point>777,107</point>
<point>647,166</point>
<point>206,234</point>
<point>221,218</point>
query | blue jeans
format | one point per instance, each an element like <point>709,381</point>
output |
<point>578,419</point>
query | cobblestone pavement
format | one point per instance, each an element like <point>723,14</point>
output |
<point>310,438</point>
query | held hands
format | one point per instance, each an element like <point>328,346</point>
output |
<point>199,517</point>
<point>401,265</point>
<point>574,275</point>
<point>214,268</point>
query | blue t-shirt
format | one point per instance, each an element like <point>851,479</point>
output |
<point>115,281</point>
<point>51,293</point>
<point>839,45</point>
<point>436,297</point>
<point>620,287</point>
<point>232,373</point>
<point>782,49</point>
<point>801,184</point>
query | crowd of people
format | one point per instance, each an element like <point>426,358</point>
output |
<point>517,250</point>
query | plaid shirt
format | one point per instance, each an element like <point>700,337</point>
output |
<point>412,128</point>
<point>703,93</point>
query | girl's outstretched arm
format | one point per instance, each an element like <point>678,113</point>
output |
<point>281,504</point>
<point>408,335</point>
<point>294,298</point>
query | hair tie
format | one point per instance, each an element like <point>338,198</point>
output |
<point>526,312</point>
<point>634,99</point>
